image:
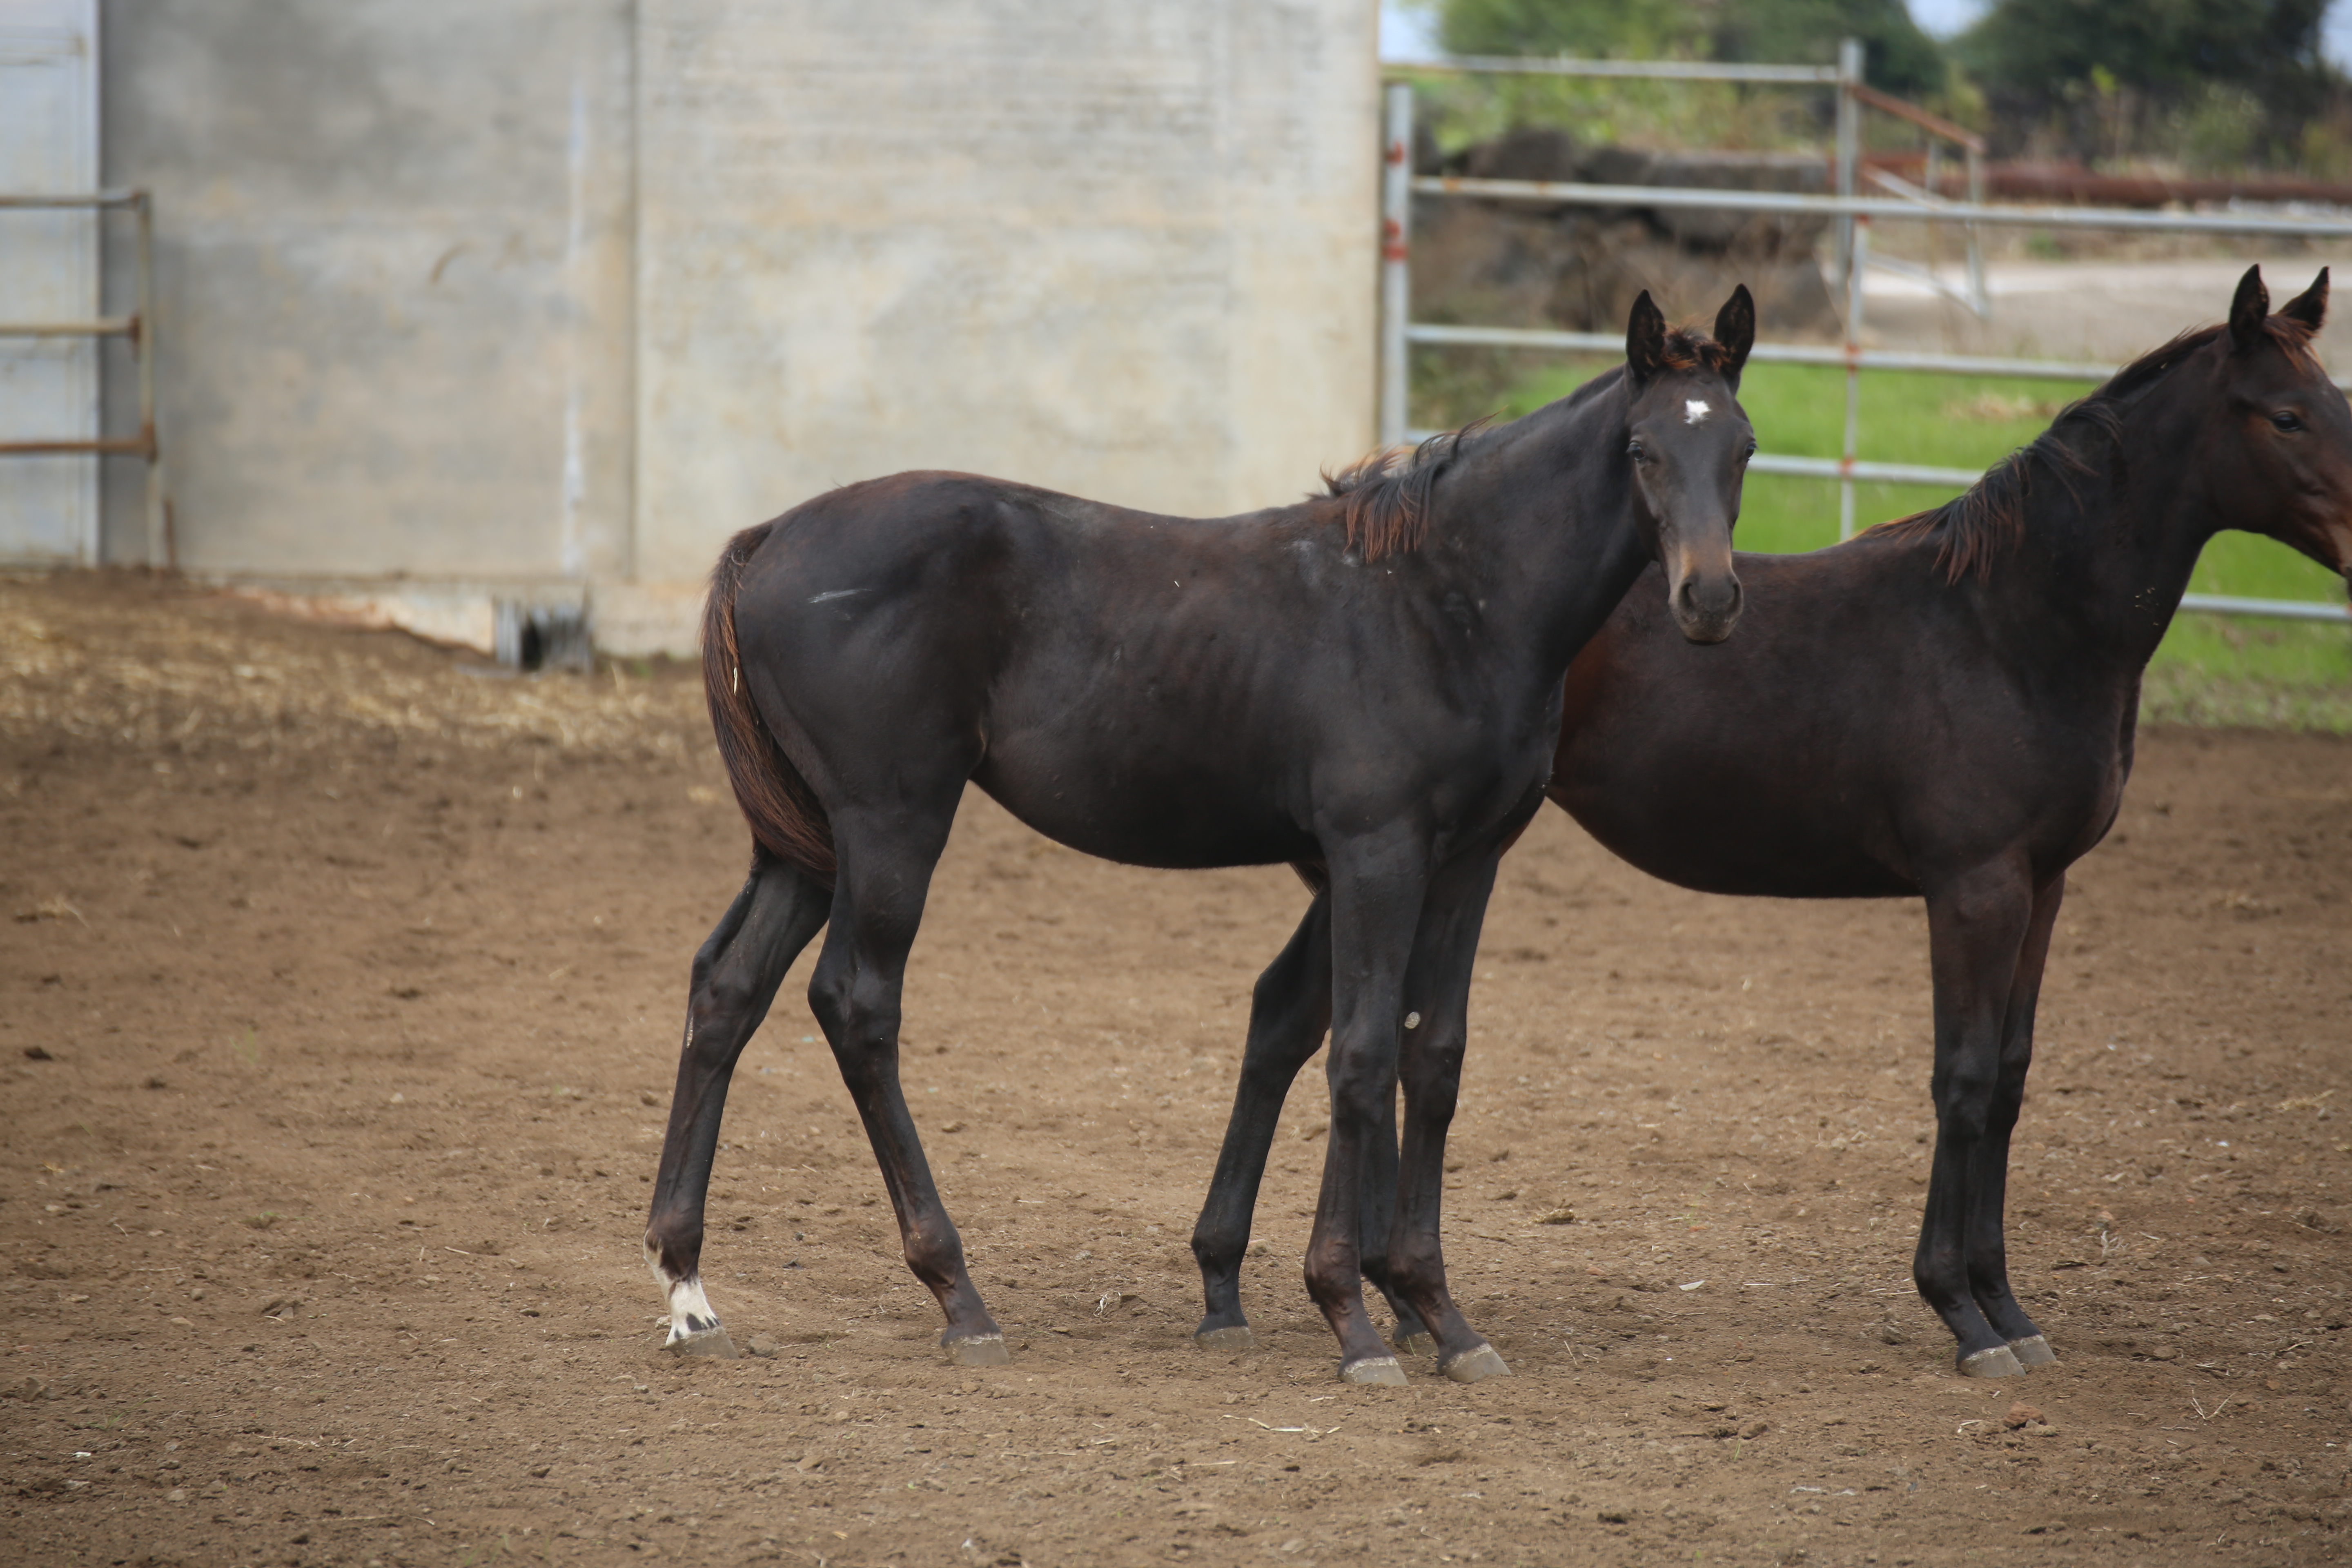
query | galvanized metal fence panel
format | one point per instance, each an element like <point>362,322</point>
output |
<point>1854,215</point>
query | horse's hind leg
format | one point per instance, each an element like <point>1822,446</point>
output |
<point>735,978</point>
<point>1289,1011</point>
<point>1976,930</point>
<point>886,868</point>
<point>1988,1174</point>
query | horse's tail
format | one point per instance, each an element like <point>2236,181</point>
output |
<point>785,818</point>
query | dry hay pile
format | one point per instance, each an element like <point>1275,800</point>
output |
<point>121,659</point>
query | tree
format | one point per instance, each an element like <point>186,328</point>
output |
<point>1618,29</point>
<point>2069,60</point>
<point>1898,56</point>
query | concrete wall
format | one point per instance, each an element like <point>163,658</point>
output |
<point>1115,249</point>
<point>394,279</point>
<point>569,289</point>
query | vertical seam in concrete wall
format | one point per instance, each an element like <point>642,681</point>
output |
<point>632,11</point>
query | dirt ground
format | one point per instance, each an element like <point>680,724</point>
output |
<point>338,1011</point>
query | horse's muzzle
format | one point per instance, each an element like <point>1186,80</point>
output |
<point>1707,606</point>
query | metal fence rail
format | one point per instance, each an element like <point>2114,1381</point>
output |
<point>1398,331</point>
<point>138,329</point>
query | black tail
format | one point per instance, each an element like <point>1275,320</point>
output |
<point>785,818</point>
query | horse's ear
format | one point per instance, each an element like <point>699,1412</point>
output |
<point>1645,339</point>
<point>2248,310</point>
<point>1735,329</point>
<point>2310,307</point>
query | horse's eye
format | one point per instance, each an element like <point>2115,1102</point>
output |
<point>1635,450</point>
<point>1751,450</point>
<point>2282,420</point>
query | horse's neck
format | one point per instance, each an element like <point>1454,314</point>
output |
<point>1545,528</point>
<point>2107,554</point>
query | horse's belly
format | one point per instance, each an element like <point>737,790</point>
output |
<point>1176,822</point>
<point>1716,851</point>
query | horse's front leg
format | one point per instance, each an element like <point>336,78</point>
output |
<point>1377,888</point>
<point>1988,1176</point>
<point>1430,1064</point>
<point>735,978</point>
<point>1977,927</point>
<point>1289,1011</point>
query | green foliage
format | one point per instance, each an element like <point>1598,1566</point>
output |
<point>2216,81</point>
<point>1898,57</point>
<point>2165,47</point>
<point>1625,29</point>
<point>1464,111</point>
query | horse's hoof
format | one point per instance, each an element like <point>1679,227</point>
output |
<point>1998,1362</point>
<point>1232,1337</point>
<point>1380,1371</point>
<point>1475,1366</point>
<point>1423,1344</point>
<point>2033,1350</point>
<point>979,1349</point>
<point>713,1343</point>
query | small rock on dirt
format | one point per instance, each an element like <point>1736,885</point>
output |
<point>762,1345</point>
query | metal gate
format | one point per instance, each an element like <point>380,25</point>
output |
<point>49,384</point>
<point>1853,215</point>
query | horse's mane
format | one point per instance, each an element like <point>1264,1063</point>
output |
<point>1384,497</point>
<point>1982,523</point>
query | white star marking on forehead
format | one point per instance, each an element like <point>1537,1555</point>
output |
<point>1695,411</point>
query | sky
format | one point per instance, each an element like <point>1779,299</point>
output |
<point>1406,33</point>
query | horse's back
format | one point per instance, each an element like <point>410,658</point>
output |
<point>1859,734</point>
<point>1116,678</point>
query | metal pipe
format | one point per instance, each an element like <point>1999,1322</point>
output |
<point>1780,354</point>
<point>1851,449</point>
<point>1647,70</point>
<point>1396,278</point>
<point>1977,290</point>
<point>1861,472</point>
<point>75,199</point>
<point>160,552</point>
<point>113,445</point>
<point>1931,181</point>
<point>104,327</point>
<point>2285,609</point>
<point>1570,193</point>
<point>1901,109</point>
<point>1849,146</point>
<point>140,329</point>
<point>1767,354</point>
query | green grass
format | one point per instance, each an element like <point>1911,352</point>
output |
<point>2211,669</point>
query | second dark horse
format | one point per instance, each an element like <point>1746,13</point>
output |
<point>1942,708</point>
<point>1365,685</point>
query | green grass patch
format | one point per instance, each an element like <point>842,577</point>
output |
<point>2212,669</point>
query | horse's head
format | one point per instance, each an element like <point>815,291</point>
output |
<point>2284,462</point>
<point>1689,442</point>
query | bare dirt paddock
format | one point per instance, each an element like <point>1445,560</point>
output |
<point>338,1011</point>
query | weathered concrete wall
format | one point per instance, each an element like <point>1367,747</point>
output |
<point>571,290</point>
<point>1123,249</point>
<point>394,281</point>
